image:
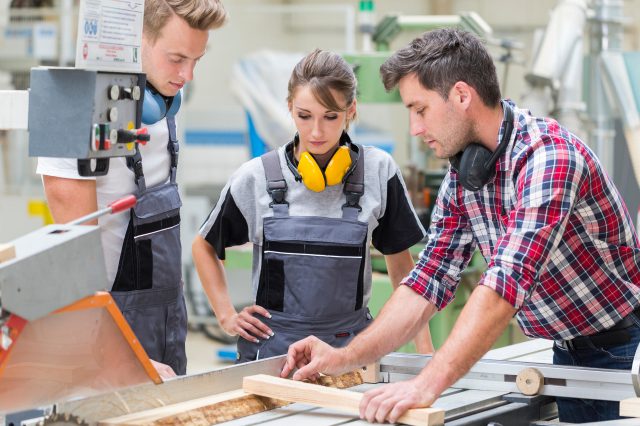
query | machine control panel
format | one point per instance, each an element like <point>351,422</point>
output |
<point>85,114</point>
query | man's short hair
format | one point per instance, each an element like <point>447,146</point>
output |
<point>199,14</point>
<point>442,57</point>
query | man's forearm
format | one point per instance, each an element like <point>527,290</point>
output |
<point>402,316</point>
<point>481,322</point>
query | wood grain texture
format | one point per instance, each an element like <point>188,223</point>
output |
<point>630,407</point>
<point>371,373</point>
<point>209,410</point>
<point>215,409</point>
<point>338,399</point>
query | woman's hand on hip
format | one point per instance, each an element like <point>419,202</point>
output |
<point>246,325</point>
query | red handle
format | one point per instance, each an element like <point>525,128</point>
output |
<point>123,203</point>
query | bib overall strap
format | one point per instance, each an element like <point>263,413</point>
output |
<point>354,187</point>
<point>276,185</point>
<point>134,163</point>
<point>173,147</point>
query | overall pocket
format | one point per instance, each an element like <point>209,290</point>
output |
<point>158,251</point>
<point>151,250</point>
<point>156,233</point>
<point>310,279</point>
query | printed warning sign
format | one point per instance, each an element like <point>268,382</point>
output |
<point>110,35</point>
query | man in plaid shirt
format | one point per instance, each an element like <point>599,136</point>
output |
<point>562,253</point>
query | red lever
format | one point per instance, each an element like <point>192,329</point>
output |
<point>124,203</point>
<point>117,206</point>
<point>143,136</point>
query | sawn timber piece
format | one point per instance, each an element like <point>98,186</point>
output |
<point>218,408</point>
<point>339,399</point>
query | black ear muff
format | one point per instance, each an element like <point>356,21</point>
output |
<point>476,165</point>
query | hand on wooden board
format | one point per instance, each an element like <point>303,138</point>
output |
<point>387,403</point>
<point>313,357</point>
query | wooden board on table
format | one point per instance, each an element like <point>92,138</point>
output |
<point>630,407</point>
<point>339,399</point>
<point>218,408</point>
<point>7,252</point>
<point>202,411</point>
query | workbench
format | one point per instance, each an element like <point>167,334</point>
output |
<point>463,404</point>
<point>463,407</point>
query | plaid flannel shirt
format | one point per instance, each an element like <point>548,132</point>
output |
<point>559,242</point>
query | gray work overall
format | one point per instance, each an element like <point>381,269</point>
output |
<point>312,270</point>
<point>148,284</point>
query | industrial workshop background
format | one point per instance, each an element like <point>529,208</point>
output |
<point>576,60</point>
<point>235,105</point>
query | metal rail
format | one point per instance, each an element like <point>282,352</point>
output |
<point>563,381</point>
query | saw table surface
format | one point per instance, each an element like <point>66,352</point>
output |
<point>462,407</point>
<point>488,393</point>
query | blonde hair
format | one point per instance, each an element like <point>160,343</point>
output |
<point>199,14</point>
<point>322,71</point>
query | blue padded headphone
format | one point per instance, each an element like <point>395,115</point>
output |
<point>157,106</point>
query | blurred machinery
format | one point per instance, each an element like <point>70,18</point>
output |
<point>61,333</point>
<point>367,63</point>
<point>596,95</point>
<point>32,33</point>
<point>423,180</point>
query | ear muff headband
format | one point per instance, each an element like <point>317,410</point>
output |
<point>313,177</point>
<point>155,106</point>
<point>476,165</point>
<point>338,168</point>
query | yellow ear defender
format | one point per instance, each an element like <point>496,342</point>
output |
<point>312,175</point>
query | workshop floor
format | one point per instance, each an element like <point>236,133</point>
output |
<point>202,353</point>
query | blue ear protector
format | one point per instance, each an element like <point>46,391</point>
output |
<point>157,106</point>
<point>476,165</point>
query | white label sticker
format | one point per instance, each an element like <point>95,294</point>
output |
<point>110,35</point>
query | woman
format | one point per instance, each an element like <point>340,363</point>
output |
<point>311,209</point>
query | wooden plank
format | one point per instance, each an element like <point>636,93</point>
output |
<point>275,416</point>
<point>339,399</point>
<point>214,409</point>
<point>7,252</point>
<point>630,407</point>
<point>371,373</point>
<point>209,410</point>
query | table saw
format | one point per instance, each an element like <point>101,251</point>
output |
<point>65,345</point>
<point>488,394</point>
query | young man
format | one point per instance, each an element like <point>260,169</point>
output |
<point>142,250</point>
<point>562,253</point>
